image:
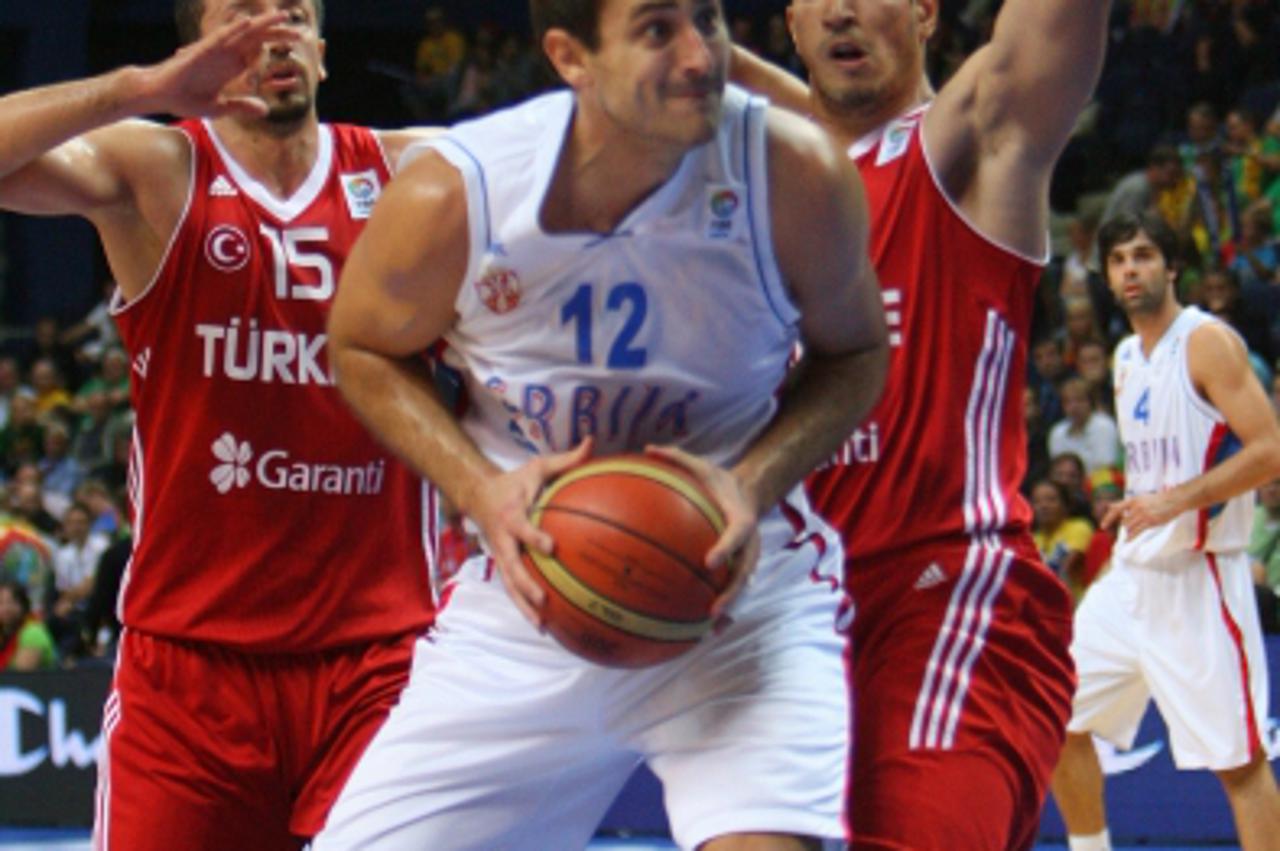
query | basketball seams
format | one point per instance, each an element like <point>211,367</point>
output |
<point>644,470</point>
<point>695,570</point>
<point>579,594</point>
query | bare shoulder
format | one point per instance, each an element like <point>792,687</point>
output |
<point>807,167</point>
<point>396,142</point>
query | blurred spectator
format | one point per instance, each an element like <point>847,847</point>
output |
<point>1249,165</point>
<point>96,332</point>
<point>1094,368</point>
<point>517,73</point>
<point>47,345</point>
<point>112,378</point>
<point>441,48</point>
<point>26,499</point>
<point>22,438</point>
<point>25,643</point>
<point>60,473</point>
<point>26,557</point>
<point>777,46</point>
<point>1264,540</point>
<point>1220,295</point>
<point>75,563</point>
<point>1048,371</point>
<point>10,385</point>
<point>1140,190</point>
<point>48,384</point>
<point>1067,469</point>
<point>1202,134</point>
<point>1080,322</point>
<point>107,513</point>
<point>471,85</point>
<point>1214,217</point>
<point>1105,489</point>
<point>1037,440</point>
<point>1255,257</point>
<point>114,472</point>
<point>1089,433</point>
<point>101,626</point>
<point>1060,538</point>
<point>92,443</point>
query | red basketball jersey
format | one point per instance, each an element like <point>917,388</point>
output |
<point>944,450</point>
<point>265,516</point>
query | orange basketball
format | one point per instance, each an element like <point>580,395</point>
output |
<point>626,585</point>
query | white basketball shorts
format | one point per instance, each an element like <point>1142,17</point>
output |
<point>504,740</point>
<point>1187,636</point>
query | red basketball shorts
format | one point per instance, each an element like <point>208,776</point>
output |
<point>208,748</point>
<point>962,685</point>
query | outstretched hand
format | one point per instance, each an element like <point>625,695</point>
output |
<point>192,82</point>
<point>738,548</point>
<point>502,513</point>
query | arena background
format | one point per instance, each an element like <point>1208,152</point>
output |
<point>54,268</point>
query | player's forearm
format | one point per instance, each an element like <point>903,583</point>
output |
<point>1250,468</point>
<point>763,77</point>
<point>816,414</point>
<point>398,403</point>
<point>37,120</point>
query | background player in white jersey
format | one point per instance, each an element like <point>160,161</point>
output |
<point>651,233</point>
<point>264,642</point>
<point>1175,619</point>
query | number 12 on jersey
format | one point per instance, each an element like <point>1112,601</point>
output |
<point>579,312</point>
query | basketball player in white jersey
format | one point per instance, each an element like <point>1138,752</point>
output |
<point>1175,618</point>
<point>623,265</point>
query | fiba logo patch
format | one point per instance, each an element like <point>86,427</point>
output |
<point>500,290</point>
<point>361,191</point>
<point>235,456</point>
<point>227,249</point>
<point>723,204</point>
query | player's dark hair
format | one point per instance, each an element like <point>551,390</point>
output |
<point>579,18</point>
<point>20,594</point>
<point>187,15</point>
<point>1125,226</point>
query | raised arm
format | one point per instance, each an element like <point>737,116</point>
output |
<point>781,87</point>
<point>998,126</point>
<point>1220,370</point>
<point>67,149</point>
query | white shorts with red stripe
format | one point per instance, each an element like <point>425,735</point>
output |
<point>1186,635</point>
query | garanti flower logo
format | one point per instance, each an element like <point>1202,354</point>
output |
<point>233,472</point>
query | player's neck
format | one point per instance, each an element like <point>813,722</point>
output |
<point>848,124</point>
<point>280,161</point>
<point>1151,327</point>
<point>604,173</point>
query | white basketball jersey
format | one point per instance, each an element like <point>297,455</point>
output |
<point>1172,435</point>
<point>674,329</point>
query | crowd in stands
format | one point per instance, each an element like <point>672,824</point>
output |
<point>1185,122</point>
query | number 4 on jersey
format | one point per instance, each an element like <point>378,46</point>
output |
<point>1142,410</point>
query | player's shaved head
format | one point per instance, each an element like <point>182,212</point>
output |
<point>187,14</point>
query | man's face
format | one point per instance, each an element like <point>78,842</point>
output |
<point>1047,358</point>
<point>659,70</point>
<point>862,54</point>
<point>1091,363</point>
<point>1065,472</point>
<point>1076,404</point>
<point>75,525</point>
<point>1139,276</point>
<point>1046,502</point>
<point>286,76</point>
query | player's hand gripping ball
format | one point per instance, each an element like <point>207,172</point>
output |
<point>627,585</point>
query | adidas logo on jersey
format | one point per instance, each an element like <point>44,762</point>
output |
<point>931,576</point>
<point>222,188</point>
